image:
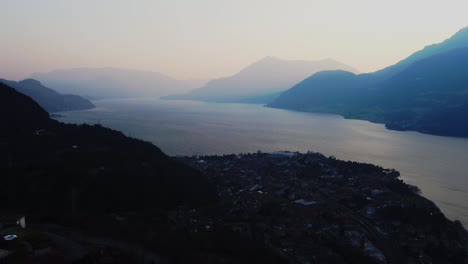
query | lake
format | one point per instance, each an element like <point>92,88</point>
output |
<point>437,165</point>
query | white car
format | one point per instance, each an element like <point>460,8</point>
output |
<point>10,237</point>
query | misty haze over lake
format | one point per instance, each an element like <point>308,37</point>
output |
<point>435,164</point>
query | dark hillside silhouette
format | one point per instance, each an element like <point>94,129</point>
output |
<point>53,168</point>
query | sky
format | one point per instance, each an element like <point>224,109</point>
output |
<point>204,39</point>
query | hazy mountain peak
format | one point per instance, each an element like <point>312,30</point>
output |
<point>270,58</point>
<point>333,73</point>
<point>30,82</point>
<point>276,65</point>
<point>265,77</point>
<point>273,59</point>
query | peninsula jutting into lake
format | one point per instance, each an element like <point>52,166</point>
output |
<point>308,206</point>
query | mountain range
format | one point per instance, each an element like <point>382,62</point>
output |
<point>261,81</point>
<point>86,188</point>
<point>426,92</point>
<point>47,98</point>
<point>100,83</point>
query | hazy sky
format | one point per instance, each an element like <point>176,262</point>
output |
<point>214,38</point>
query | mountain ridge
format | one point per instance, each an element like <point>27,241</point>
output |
<point>49,99</point>
<point>457,40</point>
<point>262,78</point>
<point>110,82</point>
<point>380,97</point>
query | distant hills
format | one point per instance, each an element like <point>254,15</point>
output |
<point>261,81</point>
<point>51,168</point>
<point>426,92</point>
<point>47,98</point>
<point>99,83</point>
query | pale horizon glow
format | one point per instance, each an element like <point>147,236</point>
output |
<point>208,39</point>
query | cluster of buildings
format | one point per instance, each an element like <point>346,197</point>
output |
<point>304,207</point>
<point>313,208</point>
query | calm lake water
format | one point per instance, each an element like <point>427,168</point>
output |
<point>438,165</point>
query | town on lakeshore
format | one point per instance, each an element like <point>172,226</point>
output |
<point>308,206</point>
